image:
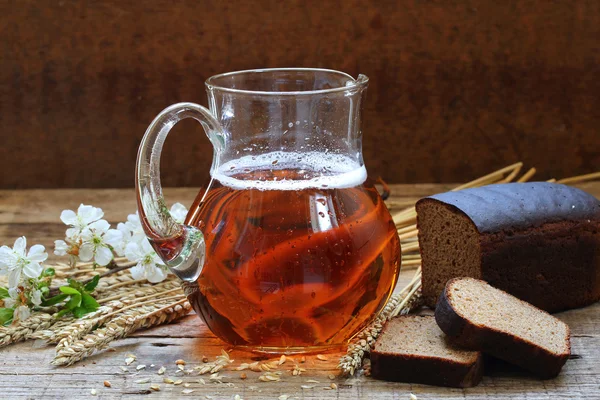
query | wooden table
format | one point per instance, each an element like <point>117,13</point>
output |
<point>25,372</point>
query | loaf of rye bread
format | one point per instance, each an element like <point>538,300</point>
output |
<point>480,317</point>
<point>413,349</point>
<point>538,241</point>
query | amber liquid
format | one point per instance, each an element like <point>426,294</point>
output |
<point>293,268</point>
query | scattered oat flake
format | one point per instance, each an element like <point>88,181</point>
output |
<point>140,367</point>
<point>124,369</point>
<point>178,382</point>
<point>321,357</point>
<point>281,359</point>
<point>312,381</point>
<point>307,387</point>
<point>331,376</point>
<point>144,380</point>
<point>168,381</point>
<point>161,370</point>
<point>129,360</point>
<point>93,392</point>
<point>333,386</point>
<point>187,385</point>
<point>201,381</point>
<point>413,396</point>
<point>107,384</point>
<point>187,391</point>
<point>180,367</point>
<point>180,362</point>
<point>155,387</point>
<point>151,365</point>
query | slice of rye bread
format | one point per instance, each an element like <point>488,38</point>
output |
<point>413,349</point>
<point>478,316</point>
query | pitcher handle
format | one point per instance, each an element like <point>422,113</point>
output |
<point>180,246</point>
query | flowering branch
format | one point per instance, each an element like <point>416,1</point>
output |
<point>88,238</point>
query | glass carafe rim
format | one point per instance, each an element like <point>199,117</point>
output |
<point>360,82</point>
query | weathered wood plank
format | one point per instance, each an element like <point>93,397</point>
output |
<point>25,370</point>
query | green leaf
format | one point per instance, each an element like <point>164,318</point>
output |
<point>75,301</point>
<point>62,312</point>
<point>74,284</point>
<point>54,300</point>
<point>4,293</point>
<point>89,303</point>
<point>6,315</point>
<point>91,285</point>
<point>69,290</point>
<point>48,272</point>
<point>79,312</point>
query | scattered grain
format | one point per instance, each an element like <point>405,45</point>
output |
<point>180,362</point>
<point>281,359</point>
<point>331,376</point>
<point>124,369</point>
<point>307,387</point>
<point>321,357</point>
<point>187,391</point>
<point>413,396</point>
<point>168,381</point>
<point>178,382</point>
<point>333,386</point>
<point>93,392</point>
<point>204,359</point>
<point>312,381</point>
<point>140,367</point>
<point>107,384</point>
<point>143,380</point>
<point>243,375</point>
<point>155,387</point>
<point>161,370</point>
<point>303,359</point>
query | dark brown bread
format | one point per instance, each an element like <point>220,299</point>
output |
<point>538,241</point>
<point>413,349</point>
<point>478,316</point>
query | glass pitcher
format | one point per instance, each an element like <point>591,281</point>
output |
<point>290,248</point>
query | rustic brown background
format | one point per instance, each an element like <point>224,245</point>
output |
<point>458,88</point>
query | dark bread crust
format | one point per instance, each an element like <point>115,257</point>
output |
<point>510,348</point>
<point>390,366</point>
<point>510,206</point>
<point>546,234</point>
<point>429,371</point>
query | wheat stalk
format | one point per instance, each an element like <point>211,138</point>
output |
<point>141,317</point>
<point>19,332</point>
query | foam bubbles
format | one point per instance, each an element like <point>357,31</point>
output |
<point>327,171</point>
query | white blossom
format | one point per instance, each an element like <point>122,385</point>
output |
<point>36,297</point>
<point>178,212</point>
<point>135,227</point>
<point>10,302</point>
<point>21,313</point>
<point>61,248</point>
<point>78,223</point>
<point>16,261</point>
<point>120,246</point>
<point>97,240</point>
<point>149,265</point>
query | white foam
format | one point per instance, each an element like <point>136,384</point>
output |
<point>334,171</point>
